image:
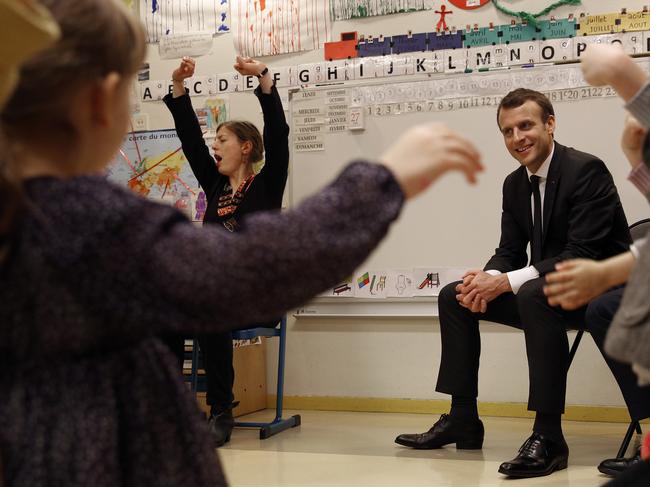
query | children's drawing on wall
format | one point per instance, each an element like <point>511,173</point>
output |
<point>441,26</point>
<point>165,17</point>
<point>212,113</point>
<point>371,284</point>
<point>354,9</point>
<point>270,27</point>
<point>153,165</point>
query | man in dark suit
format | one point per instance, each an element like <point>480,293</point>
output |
<point>564,203</point>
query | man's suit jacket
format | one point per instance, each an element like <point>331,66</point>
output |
<point>583,216</point>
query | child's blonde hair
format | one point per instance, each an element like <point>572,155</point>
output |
<point>97,37</point>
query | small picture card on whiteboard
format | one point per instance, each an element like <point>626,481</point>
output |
<point>371,284</point>
<point>341,290</point>
<point>399,283</point>
<point>426,281</point>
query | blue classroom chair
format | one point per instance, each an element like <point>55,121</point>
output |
<point>278,424</point>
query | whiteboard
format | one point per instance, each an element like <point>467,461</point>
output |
<point>454,224</point>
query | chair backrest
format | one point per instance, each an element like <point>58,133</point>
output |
<point>640,229</point>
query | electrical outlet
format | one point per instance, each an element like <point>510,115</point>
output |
<point>140,121</point>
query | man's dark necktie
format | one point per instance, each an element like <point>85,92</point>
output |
<point>536,245</point>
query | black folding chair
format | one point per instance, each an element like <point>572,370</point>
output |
<point>638,230</point>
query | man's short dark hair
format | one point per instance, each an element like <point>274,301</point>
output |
<point>518,97</point>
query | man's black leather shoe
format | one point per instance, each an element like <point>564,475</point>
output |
<point>538,456</point>
<point>614,466</point>
<point>467,434</point>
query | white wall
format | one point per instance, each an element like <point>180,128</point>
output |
<point>389,358</point>
<point>399,359</point>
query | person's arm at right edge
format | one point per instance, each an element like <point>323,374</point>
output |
<point>636,147</point>
<point>609,65</point>
<point>576,282</point>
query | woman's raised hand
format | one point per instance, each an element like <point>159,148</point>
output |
<point>185,70</point>
<point>248,66</point>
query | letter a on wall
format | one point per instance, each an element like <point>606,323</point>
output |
<point>469,4</point>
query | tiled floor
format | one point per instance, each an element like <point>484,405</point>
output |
<point>357,449</point>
